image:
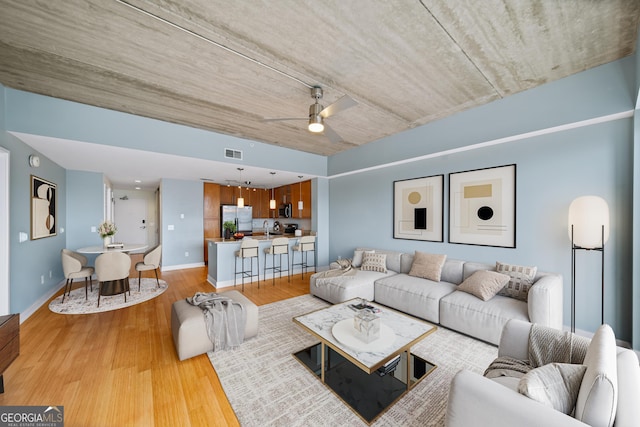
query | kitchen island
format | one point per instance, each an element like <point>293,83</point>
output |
<point>222,259</point>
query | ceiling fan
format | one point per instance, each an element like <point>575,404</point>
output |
<point>317,114</point>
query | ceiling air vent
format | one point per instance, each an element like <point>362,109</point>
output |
<point>232,154</point>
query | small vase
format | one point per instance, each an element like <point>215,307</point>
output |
<point>227,233</point>
<point>106,241</point>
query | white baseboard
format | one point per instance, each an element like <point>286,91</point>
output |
<point>181,266</point>
<point>24,315</point>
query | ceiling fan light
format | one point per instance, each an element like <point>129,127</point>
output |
<point>315,124</point>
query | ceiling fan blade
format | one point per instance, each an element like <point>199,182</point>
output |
<point>331,134</point>
<point>341,104</point>
<point>281,119</point>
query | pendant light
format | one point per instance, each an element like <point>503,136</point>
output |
<point>272,202</point>
<point>240,199</point>
<point>300,203</point>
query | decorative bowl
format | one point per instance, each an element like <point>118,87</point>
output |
<point>238,236</point>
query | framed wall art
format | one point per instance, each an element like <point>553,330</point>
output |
<point>482,207</point>
<point>418,208</point>
<point>43,208</point>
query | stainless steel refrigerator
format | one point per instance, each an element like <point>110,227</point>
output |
<point>241,217</point>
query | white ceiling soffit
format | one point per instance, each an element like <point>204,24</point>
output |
<point>124,166</point>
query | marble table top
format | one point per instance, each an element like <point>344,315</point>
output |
<point>408,331</point>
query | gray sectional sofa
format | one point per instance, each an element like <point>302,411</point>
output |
<point>441,302</point>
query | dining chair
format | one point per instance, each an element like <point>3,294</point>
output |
<point>305,245</point>
<point>74,266</point>
<point>279,246</point>
<point>248,249</point>
<point>150,261</point>
<point>111,267</point>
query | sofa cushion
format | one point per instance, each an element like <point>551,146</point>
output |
<point>522,278</point>
<point>484,320</point>
<point>374,262</point>
<point>598,396</point>
<point>343,288</point>
<point>412,295</point>
<point>427,266</point>
<point>452,271</point>
<point>393,257</point>
<point>484,284</point>
<point>357,257</point>
<point>555,385</point>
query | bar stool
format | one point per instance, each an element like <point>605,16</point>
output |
<point>248,249</point>
<point>305,244</point>
<point>279,246</point>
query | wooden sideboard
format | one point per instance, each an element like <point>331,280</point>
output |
<point>9,343</point>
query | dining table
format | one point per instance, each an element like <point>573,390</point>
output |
<point>100,249</point>
<point>113,287</point>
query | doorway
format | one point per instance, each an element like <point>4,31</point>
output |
<point>130,216</point>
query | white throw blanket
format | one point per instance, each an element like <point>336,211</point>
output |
<point>546,345</point>
<point>225,319</point>
<point>346,271</point>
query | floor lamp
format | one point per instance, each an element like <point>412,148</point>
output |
<point>588,230</point>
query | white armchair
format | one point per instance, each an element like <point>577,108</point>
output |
<point>477,400</point>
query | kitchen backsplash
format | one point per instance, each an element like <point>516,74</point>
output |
<point>258,223</point>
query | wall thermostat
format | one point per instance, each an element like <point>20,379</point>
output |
<point>34,161</point>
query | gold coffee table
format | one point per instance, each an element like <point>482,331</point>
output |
<point>368,377</point>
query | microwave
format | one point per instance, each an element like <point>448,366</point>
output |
<point>285,211</point>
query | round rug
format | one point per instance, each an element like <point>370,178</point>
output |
<point>77,304</point>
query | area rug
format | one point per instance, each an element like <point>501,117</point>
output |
<point>267,386</point>
<point>77,304</point>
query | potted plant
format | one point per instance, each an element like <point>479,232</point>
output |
<point>229,228</point>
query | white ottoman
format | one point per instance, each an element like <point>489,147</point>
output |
<point>190,332</point>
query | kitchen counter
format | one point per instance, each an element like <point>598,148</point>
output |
<point>222,258</point>
<point>259,236</point>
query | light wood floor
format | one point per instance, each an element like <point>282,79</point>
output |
<point>120,368</point>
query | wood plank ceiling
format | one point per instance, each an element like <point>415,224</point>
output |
<point>406,63</point>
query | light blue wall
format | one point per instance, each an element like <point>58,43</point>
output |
<point>85,209</point>
<point>320,220</point>
<point>552,170</point>
<point>178,197</point>
<point>32,260</point>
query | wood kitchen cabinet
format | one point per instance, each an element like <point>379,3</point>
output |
<point>211,215</point>
<point>228,194</point>
<point>260,202</point>
<point>301,191</point>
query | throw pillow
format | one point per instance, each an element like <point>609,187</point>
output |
<point>484,284</point>
<point>427,266</point>
<point>555,385</point>
<point>357,257</point>
<point>521,280</point>
<point>598,396</point>
<point>374,262</point>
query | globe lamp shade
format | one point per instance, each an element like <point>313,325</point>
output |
<point>587,215</point>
